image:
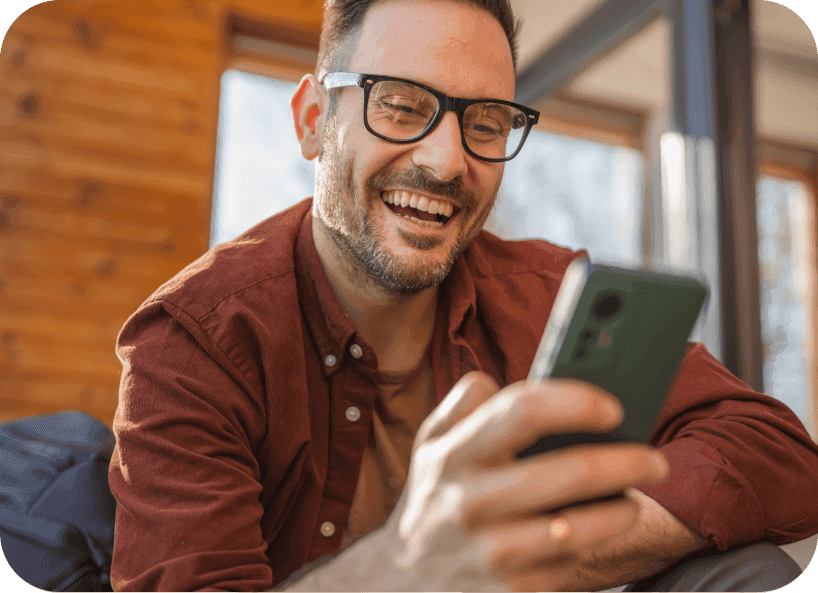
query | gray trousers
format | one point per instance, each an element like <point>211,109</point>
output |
<point>758,567</point>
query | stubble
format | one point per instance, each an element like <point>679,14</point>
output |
<point>347,216</point>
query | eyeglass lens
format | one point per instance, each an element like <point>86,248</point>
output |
<point>401,111</point>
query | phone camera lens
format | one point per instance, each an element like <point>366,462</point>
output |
<point>606,306</point>
<point>587,335</point>
<point>581,353</point>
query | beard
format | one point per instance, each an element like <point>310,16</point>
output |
<point>348,216</point>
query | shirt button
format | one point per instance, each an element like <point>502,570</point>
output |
<point>330,360</point>
<point>327,529</point>
<point>353,414</point>
<point>356,351</point>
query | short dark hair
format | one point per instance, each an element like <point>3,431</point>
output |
<point>342,26</point>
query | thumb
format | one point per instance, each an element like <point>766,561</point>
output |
<point>466,396</point>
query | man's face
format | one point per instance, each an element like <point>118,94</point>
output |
<point>460,50</point>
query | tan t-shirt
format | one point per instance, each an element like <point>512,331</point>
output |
<point>402,404</point>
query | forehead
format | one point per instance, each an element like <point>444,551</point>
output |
<point>457,48</point>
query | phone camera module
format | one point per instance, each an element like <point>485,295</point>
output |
<point>606,306</point>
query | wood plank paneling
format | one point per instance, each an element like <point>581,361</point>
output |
<point>122,44</point>
<point>102,286</point>
<point>90,329</point>
<point>100,260</point>
<point>108,125</point>
<point>112,197</point>
<point>56,356</point>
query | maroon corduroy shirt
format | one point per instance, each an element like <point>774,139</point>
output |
<point>237,452</point>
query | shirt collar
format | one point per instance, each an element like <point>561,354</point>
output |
<point>330,326</point>
<point>460,297</point>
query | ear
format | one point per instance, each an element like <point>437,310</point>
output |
<point>309,106</point>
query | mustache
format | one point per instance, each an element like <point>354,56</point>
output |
<point>415,179</point>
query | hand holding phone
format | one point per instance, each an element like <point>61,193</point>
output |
<point>624,330</point>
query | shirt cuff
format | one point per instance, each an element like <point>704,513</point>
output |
<point>708,495</point>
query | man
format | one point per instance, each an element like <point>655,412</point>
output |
<point>275,394</point>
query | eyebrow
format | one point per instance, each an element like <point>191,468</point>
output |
<point>434,87</point>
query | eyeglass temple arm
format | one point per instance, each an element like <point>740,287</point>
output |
<point>338,79</point>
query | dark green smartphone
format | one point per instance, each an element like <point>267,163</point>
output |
<point>624,330</point>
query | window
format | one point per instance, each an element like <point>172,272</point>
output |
<point>786,252</point>
<point>259,167</point>
<point>575,193</point>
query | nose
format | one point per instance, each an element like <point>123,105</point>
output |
<point>441,153</point>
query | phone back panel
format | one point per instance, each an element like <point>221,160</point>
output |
<point>630,347</point>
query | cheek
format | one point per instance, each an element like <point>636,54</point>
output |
<point>495,174</point>
<point>487,185</point>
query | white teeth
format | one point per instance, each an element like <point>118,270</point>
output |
<point>404,198</point>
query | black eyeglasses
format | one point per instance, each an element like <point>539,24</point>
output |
<point>402,111</point>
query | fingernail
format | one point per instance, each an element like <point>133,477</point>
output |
<point>614,408</point>
<point>659,464</point>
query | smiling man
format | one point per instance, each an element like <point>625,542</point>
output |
<point>327,387</point>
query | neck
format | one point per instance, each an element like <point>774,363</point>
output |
<point>398,327</point>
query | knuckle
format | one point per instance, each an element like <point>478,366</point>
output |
<point>472,513</point>
<point>477,381</point>
<point>524,409</point>
<point>629,511</point>
<point>584,469</point>
<point>470,501</point>
<point>492,553</point>
<point>453,460</point>
<point>503,560</point>
<point>586,404</point>
<point>621,465</point>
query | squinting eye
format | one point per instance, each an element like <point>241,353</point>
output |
<point>404,107</point>
<point>397,107</point>
<point>484,129</point>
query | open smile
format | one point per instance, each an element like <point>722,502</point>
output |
<point>426,212</point>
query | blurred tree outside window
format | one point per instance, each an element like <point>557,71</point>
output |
<point>787,271</point>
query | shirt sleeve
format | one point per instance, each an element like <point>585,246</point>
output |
<point>742,466</point>
<point>184,471</point>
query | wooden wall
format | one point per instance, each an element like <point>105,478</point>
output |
<point>108,119</point>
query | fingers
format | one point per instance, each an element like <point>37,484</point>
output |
<point>467,395</point>
<point>559,478</point>
<point>523,546</point>
<point>518,415</point>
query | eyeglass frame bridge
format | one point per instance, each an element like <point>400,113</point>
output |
<point>445,103</point>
